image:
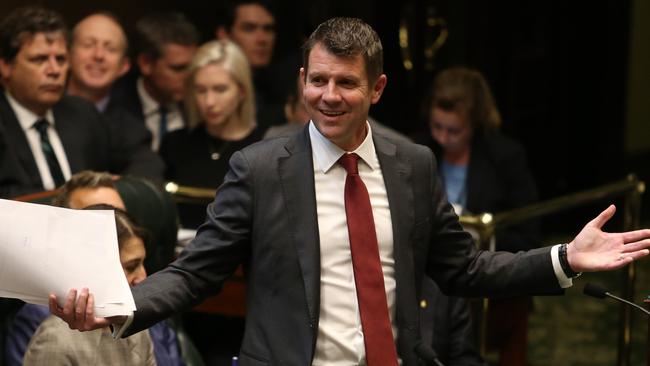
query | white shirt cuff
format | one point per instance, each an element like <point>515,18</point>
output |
<point>562,279</point>
<point>119,329</point>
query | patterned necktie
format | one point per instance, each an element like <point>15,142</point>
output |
<point>55,169</point>
<point>368,275</point>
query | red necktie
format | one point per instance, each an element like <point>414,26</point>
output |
<point>368,275</point>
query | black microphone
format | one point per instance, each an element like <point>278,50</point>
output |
<point>428,354</point>
<point>599,292</point>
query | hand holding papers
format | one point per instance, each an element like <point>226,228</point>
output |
<point>47,250</point>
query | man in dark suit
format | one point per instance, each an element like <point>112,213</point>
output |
<point>166,43</point>
<point>299,221</point>
<point>46,136</point>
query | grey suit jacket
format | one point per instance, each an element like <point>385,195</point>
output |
<point>54,343</point>
<point>265,217</point>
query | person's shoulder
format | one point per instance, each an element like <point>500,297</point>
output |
<point>380,128</point>
<point>403,146</point>
<point>71,103</point>
<point>275,145</point>
<point>53,329</point>
<point>499,146</point>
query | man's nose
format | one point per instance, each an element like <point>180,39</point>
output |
<point>99,52</point>
<point>54,67</point>
<point>442,136</point>
<point>331,93</point>
<point>141,275</point>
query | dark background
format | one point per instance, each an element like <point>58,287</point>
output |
<point>558,69</point>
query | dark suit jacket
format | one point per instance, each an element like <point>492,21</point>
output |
<point>131,145</point>
<point>265,217</point>
<point>84,135</point>
<point>125,94</point>
<point>446,326</point>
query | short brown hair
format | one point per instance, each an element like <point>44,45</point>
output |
<point>465,91</point>
<point>83,179</point>
<point>348,37</point>
<point>24,23</point>
<point>157,30</point>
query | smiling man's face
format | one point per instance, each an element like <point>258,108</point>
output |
<point>338,95</point>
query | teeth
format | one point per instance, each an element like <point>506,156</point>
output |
<point>331,113</point>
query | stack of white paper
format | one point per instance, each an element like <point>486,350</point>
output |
<point>45,249</point>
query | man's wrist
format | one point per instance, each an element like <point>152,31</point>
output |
<point>564,262</point>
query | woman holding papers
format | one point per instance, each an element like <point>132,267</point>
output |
<point>55,344</point>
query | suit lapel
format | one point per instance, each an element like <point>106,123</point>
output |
<point>296,173</point>
<point>397,177</point>
<point>19,142</point>
<point>64,122</point>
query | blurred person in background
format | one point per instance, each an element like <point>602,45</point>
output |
<point>220,103</point>
<point>484,171</point>
<point>98,58</point>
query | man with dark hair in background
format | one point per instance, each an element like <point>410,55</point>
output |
<point>252,25</point>
<point>166,43</point>
<point>46,136</point>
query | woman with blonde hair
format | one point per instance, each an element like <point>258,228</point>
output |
<point>220,105</point>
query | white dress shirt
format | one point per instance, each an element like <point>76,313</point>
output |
<point>151,112</point>
<point>340,336</point>
<point>27,118</point>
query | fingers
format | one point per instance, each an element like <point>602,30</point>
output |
<point>604,216</point>
<point>80,308</point>
<point>68,307</point>
<point>632,236</point>
<point>636,246</point>
<point>90,308</point>
<point>632,256</point>
<point>54,306</point>
<point>78,312</point>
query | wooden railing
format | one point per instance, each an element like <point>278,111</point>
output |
<point>631,189</point>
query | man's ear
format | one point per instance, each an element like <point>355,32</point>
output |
<point>145,64</point>
<point>5,69</point>
<point>221,33</point>
<point>378,88</point>
<point>126,66</point>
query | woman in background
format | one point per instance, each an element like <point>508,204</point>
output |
<point>484,171</point>
<point>54,343</point>
<point>220,103</point>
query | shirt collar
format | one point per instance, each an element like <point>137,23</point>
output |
<point>149,105</point>
<point>103,103</point>
<point>25,117</point>
<point>326,153</point>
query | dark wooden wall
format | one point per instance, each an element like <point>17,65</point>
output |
<point>558,68</point>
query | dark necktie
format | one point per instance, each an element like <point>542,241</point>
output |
<point>162,130</point>
<point>368,275</point>
<point>55,169</point>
